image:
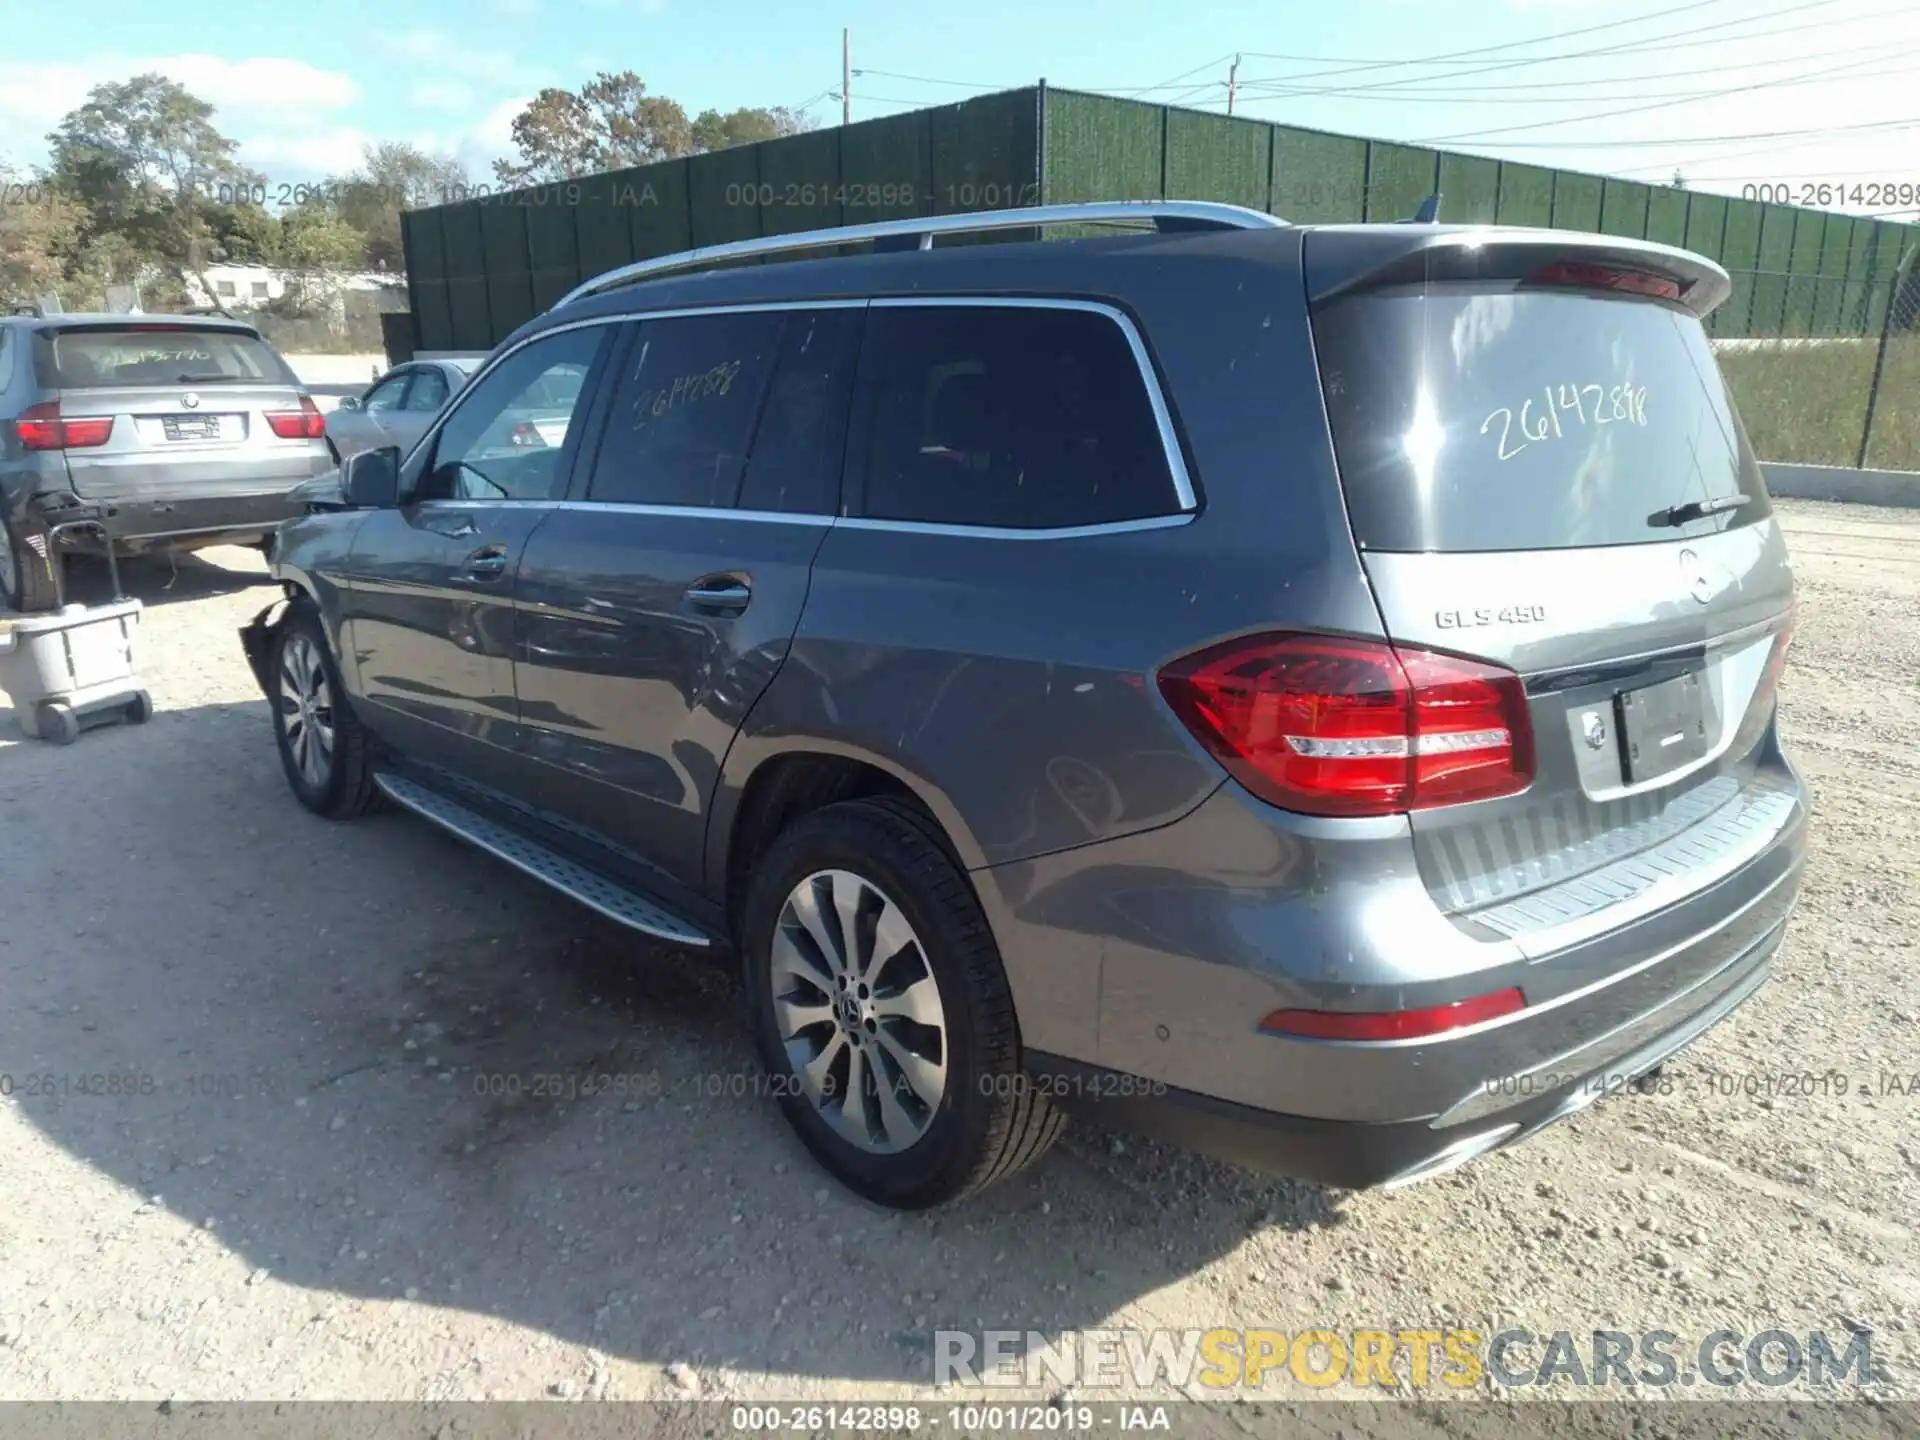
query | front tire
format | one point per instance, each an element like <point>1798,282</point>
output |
<point>882,1011</point>
<point>322,747</point>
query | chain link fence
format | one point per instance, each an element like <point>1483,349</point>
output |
<point>1825,370</point>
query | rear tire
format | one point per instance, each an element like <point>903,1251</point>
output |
<point>28,580</point>
<point>322,747</point>
<point>836,1020</point>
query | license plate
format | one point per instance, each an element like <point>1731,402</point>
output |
<point>191,427</point>
<point>1663,726</point>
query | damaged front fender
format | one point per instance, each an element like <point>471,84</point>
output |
<point>257,640</point>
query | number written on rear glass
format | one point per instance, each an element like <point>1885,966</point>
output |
<point>1558,409</point>
<point>1489,615</point>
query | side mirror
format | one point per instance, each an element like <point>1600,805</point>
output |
<point>372,479</point>
<point>348,402</point>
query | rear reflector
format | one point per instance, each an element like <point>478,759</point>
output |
<point>1325,725</point>
<point>1394,1024</point>
<point>1605,277</point>
<point>306,423</point>
<point>41,428</point>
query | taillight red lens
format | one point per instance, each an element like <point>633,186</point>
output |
<point>1394,1024</point>
<point>526,433</point>
<point>1333,726</point>
<point>40,427</point>
<point>1605,277</point>
<point>306,423</point>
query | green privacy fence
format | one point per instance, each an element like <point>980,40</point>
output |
<point>480,267</point>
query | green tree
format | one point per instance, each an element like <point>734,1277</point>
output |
<point>395,176</point>
<point>714,131</point>
<point>39,235</point>
<point>315,242</point>
<point>612,122</point>
<point>145,160</point>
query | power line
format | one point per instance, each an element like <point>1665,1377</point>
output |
<point>1817,134</point>
<point>1582,119</point>
<point>1469,94</point>
<point>1360,66</point>
<point>1650,45</point>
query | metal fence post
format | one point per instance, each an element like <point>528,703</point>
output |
<point>1879,365</point>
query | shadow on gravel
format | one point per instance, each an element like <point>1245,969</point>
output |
<point>378,1064</point>
<point>159,579</point>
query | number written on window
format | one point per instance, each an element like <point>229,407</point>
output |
<point>1559,410</point>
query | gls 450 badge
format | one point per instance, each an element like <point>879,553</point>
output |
<point>1488,615</point>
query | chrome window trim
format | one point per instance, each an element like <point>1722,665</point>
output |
<point>1186,500</point>
<point>1001,532</point>
<point>701,512</point>
<point>1162,416</point>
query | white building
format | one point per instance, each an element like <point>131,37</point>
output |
<point>248,287</point>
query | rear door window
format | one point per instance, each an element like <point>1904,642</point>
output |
<point>683,412</point>
<point>1021,417</point>
<point>107,356</point>
<point>1487,419</point>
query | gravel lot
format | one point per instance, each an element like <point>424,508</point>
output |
<point>313,1200</point>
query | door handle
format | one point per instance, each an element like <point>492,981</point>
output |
<point>726,593</point>
<point>488,563</point>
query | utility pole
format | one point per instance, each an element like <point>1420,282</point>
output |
<point>846,77</point>
<point>1233,76</point>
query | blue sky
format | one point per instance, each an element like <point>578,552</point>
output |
<point>1809,89</point>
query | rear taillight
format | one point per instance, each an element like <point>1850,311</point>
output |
<point>1333,726</point>
<point>1605,277</point>
<point>1765,695</point>
<point>1394,1024</point>
<point>306,423</point>
<point>41,428</point>
<point>526,433</point>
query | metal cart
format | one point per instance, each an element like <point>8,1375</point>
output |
<point>73,669</point>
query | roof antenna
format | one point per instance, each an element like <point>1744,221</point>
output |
<point>1428,212</point>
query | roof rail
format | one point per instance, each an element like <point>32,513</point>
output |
<point>1166,215</point>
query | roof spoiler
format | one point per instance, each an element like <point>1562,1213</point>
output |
<point>1370,257</point>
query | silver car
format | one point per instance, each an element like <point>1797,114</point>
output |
<point>152,432</point>
<point>397,408</point>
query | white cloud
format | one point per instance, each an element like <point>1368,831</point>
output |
<point>441,95</point>
<point>253,97</point>
<point>335,150</point>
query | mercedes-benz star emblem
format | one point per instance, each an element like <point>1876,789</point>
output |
<point>1595,730</point>
<point>190,400</point>
<point>1699,582</point>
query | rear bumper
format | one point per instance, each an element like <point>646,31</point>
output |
<point>1357,1155</point>
<point>1156,957</point>
<point>136,525</point>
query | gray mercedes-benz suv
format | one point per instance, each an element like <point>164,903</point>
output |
<point>1307,692</point>
<point>156,432</point>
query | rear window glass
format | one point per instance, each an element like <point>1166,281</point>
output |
<point>1017,417</point>
<point>1467,419</point>
<point>74,359</point>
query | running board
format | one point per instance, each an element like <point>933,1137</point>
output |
<point>615,901</point>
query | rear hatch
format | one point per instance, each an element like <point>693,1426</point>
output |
<point>1543,469</point>
<point>196,411</point>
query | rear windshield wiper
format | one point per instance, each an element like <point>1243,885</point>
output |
<point>1692,510</point>
<point>202,379</point>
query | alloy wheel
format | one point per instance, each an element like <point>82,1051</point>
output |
<point>306,708</point>
<point>859,1011</point>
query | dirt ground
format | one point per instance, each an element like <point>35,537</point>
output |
<point>309,1192</point>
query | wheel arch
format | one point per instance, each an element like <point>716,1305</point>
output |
<point>767,783</point>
